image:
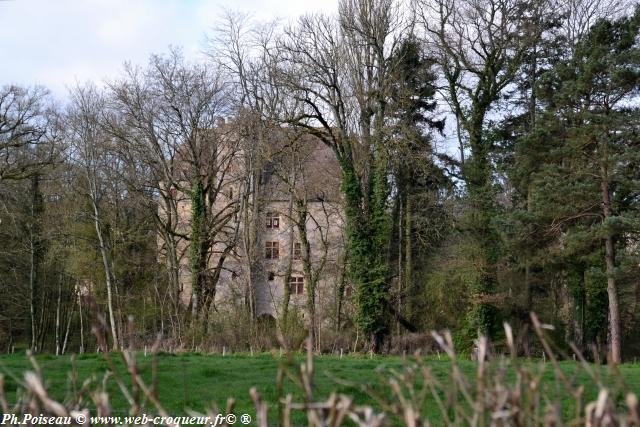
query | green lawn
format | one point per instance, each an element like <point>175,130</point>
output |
<point>201,382</point>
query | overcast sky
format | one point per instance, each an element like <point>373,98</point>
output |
<point>56,42</point>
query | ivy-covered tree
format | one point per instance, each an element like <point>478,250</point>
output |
<point>336,77</point>
<point>479,47</point>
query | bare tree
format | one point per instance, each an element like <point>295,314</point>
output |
<point>248,56</point>
<point>27,131</point>
<point>337,78</point>
<point>580,15</point>
<point>305,171</point>
<point>92,151</point>
<point>167,121</point>
<point>151,157</point>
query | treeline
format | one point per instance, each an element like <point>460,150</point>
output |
<point>490,166</point>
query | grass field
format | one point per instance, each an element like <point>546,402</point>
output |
<point>201,382</point>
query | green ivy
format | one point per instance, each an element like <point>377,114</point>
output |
<point>367,238</point>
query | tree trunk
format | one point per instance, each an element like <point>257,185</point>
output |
<point>401,266</point>
<point>610,262</point>
<point>66,332</point>
<point>35,256</point>
<point>310,278</point>
<point>57,331</point>
<point>477,175</point>
<point>81,324</point>
<point>286,299</point>
<point>341,293</point>
<point>32,293</point>
<point>107,271</point>
<point>528,301</point>
<point>408,242</point>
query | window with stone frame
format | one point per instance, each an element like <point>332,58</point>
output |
<point>273,220</point>
<point>297,250</point>
<point>272,250</point>
<point>296,285</point>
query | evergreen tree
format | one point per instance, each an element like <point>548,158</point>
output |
<point>588,140</point>
<point>419,219</point>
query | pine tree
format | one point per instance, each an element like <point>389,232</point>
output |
<point>419,219</point>
<point>588,138</point>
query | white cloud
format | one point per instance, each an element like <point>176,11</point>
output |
<point>56,42</point>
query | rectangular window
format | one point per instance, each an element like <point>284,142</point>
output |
<point>296,285</point>
<point>297,251</point>
<point>273,220</point>
<point>272,250</point>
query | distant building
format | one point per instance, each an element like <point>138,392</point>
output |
<point>266,255</point>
